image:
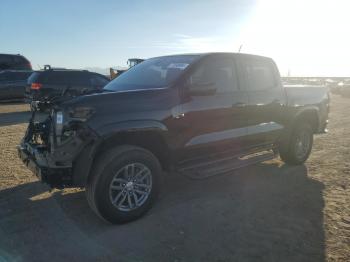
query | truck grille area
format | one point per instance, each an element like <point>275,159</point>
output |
<point>38,132</point>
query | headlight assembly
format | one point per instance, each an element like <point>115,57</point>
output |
<point>68,122</point>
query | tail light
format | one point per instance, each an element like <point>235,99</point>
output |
<point>35,86</point>
<point>29,65</point>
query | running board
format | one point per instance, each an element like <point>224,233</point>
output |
<point>224,165</point>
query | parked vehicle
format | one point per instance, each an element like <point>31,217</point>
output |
<point>131,63</point>
<point>13,84</point>
<point>14,62</point>
<point>200,115</point>
<point>134,61</point>
<point>50,83</point>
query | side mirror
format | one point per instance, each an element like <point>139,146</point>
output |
<point>201,89</point>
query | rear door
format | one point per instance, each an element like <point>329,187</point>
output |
<point>266,99</point>
<point>213,123</point>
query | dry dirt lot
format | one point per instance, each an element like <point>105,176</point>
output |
<point>267,212</point>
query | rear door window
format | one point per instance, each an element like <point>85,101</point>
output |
<point>218,71</point>
<point>78,78</point>
<point>55,78</point>
<point>259,74</point>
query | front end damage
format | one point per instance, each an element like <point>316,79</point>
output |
<point>52,145</point>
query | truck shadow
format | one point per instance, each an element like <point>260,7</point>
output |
<point>267,212</point>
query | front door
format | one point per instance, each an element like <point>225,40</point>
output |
<point>213,122</point>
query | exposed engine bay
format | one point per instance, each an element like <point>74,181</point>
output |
<point>52,142</point>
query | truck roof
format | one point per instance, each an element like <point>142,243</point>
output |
<point>2,54</point>
<point>219,53</point>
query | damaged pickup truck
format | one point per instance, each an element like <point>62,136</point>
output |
<point>199,115</point>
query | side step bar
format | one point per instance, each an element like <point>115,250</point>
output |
<point>224,165</point>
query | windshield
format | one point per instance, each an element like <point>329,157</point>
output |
<point>153,73</point>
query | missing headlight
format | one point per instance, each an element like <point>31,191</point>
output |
<point>81,113</point>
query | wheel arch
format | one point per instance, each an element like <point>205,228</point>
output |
<point>310,115</point>
<point>136,133</point>
<point>152,140</point>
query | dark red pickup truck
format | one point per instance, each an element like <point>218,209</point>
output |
<point>198,114</point>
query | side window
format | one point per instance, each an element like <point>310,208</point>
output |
<point>16,76</point>
<point>6,62</point>
<point>219,72</point>
<point>78,78</point>
<point>260,74</point>
<point>18,60</point>
<point>56,78</point>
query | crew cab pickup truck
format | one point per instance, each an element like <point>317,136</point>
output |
<point>198,115</point>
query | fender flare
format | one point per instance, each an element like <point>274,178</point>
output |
<point>85,160</point>
<point>296,117</point>
<point>307,110</point>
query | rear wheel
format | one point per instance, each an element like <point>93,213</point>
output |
<point>297,150</point>
<point>124,184</point>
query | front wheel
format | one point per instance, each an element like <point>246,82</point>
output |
<point>297,150</point>
<point>124,184</point>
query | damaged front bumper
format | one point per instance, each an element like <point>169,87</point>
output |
<point>56,161</point>
<point>37,159</point>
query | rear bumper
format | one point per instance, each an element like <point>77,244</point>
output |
<point>36,159</point>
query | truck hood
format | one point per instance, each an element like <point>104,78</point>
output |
<point>107,98</point>
<point>112,107</point>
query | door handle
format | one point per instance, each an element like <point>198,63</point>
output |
<point>179,116</point>
<point>239,104</point>
<point>177,112</point>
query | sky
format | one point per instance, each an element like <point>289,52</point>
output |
<point>304,37</point>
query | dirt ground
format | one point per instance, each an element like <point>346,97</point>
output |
<point>267,212</point>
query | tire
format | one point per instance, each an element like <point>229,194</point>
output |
<point>124,184</point>
<point>297,150</point>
